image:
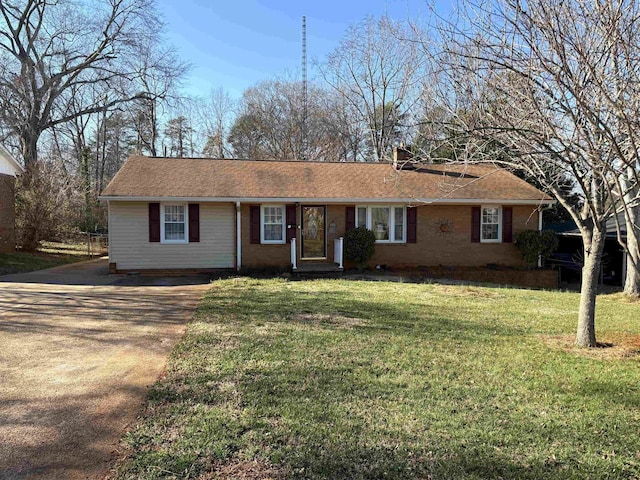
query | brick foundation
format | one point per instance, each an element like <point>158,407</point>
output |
<point>546,279</point>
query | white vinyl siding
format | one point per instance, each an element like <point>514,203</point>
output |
<point>130,248</point>
<point>7,167</point>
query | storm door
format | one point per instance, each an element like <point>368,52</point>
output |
<point>313,233</point>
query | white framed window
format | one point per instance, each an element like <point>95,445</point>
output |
<point>272,225</point>
<point>174,223</point>
<point>491,224</point>
<point>361,216</point>
<point>387,222</point>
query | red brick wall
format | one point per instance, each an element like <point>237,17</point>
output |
<point>432,248</point>
<point>454,248</point>
<point>257,255</point>
<point>7,213</point>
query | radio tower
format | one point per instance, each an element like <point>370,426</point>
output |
<point>303,153</point>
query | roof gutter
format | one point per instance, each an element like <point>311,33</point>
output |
<point>407,200</point>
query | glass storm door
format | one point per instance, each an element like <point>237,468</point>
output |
<point>313,233</point>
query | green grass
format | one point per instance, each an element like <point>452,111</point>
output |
<point>51,254</point>
<point>345,379</point>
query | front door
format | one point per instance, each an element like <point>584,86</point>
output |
<point>313,233</point>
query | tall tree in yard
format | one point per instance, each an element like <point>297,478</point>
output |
<point>178,133</point>
<point>63,61</point>
<point>215,113</point>
<point>377,69</point>
<point>269,123</point>
<point>631,207</point>
<point>555,85</point>
<point>49,50</point>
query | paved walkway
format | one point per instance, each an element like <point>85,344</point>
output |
<point>78,349</point>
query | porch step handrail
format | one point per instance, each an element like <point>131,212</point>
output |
<point>338,251</point>
<point>294,262</point>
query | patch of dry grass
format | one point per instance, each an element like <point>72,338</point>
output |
<point>610,347</point>
<point>244,470</point>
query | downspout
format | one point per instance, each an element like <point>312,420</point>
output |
<point>111,259</point>
<point>540,210</point>
<point>238,237</point>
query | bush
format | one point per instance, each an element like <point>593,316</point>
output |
<point>359,246</point>
<point>533,244</point>
<point>47,204</point>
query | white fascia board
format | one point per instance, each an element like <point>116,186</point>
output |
<point>412,201</point>
<point>14,163</point>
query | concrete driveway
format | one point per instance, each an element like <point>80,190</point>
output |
<point>78,349</point>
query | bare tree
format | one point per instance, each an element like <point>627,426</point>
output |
<point>631,209</point>
<point>378,75</point>
<point>50,50</point>
<point>215,115</point>
<point>160,74</point>
<point>349,140</point>
<point>269,123</point>
<point>551,88</point>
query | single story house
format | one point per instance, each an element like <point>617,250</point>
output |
<point>9,170</point>
<point>205,214</point>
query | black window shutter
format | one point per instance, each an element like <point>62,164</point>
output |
<point>292,226</point>
<point>475,224</point>
<point>194,222</point>
<point>254,223</point>
<point>507,224</point>
<point>412,224</point>
<point>154,222</point>
<point>349,218</point>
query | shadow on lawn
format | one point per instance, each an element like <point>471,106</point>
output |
<point>395,318</point>
<point>376,462</point>
<point>327,433</point>
<point>307,435</point>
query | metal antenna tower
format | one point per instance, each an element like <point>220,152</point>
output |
<point>303,153</point>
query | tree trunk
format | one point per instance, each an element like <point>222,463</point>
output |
<point>29,141</point>
<point>632,218</point>
<point>632,281</point>
<point>31,206</point>
<point>154,129</point>
<point>593,248</point>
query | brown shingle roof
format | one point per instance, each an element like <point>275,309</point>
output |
<point>150,177</point>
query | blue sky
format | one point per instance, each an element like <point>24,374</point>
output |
<point>236,43</point>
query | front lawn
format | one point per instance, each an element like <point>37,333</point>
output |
<point>51,254</point>
<point>344,379</point>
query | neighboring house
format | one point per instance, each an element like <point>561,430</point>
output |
<point>9,170</point>
<point>187,214</point>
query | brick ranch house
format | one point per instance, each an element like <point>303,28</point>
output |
<point>9,170</point>
<point>206,214</point>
